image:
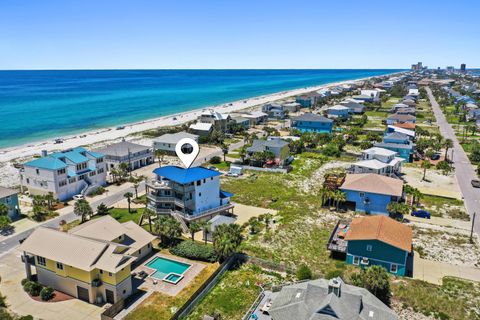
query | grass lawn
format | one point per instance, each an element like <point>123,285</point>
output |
<point>223,166</point>
<point>377,114</point>
<point>161,307</point>
<point>453,207</point>
<point>120,214</point>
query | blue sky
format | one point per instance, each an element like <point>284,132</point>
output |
<point>93,34</point>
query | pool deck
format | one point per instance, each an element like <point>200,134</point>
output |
<point>165,287</point>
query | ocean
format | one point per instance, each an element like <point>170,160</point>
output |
<point>39,105</point>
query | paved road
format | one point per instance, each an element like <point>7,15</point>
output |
<point>464,171</point>
<point>11,242</point>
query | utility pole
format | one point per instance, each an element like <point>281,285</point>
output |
<point>471,231</point>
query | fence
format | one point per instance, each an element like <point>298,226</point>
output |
<point>281,170</point>
<point>113,310</point>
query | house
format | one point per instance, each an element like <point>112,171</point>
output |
<point>379,240</point>
<point>86,268</point>
<point>371,193</point>
<point>200,128</point>
<point>309,100</point>
<point>217,119</point>
<point>256,117</point>
<point>413,92</point>
<point>214,223</point>
<point>409,110</point>
<point>363,98</point>
<point>135,155</point>
<point>396,137</point>
<point>338,112</point>
<point>327,299</point>
<point>400,118</point>
<point>408,126</point>
<point>130,234</point>
<point>291,106</point>
<point>354,107</point>
<point>373,94</point>
<point>473,114</point>
<point>379,161</point>
<point>274,111</point>
<point>277,146</point>
<point>191,194</point>
<point>310,122</point>
<point>65,174</point>
<point>240,121</point>
<point>404,150</point>
<point>9,197</point>
<point>409,102</point>
<point>397,128</point>
<point>168,141</point>
<point>397,106</point>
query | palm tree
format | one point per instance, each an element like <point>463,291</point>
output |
<point>226,240</point>
<point>102,209</point>
<point>149,214</point>
<point>267,217</point>
<point>425,165</point>
<point>82,208</point>
<point>206,228</point>
<point>129,197</point>
<point>242,153</point>
<point>168,228</point>
<point>194,227</point>
<point>50,198</point>
<point>135,180</point>
<point>340,197</point>
<point>124,169</point>
<point>160,154</point>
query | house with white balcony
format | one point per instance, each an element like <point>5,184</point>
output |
<point>65,174</point>
<point>380,161</point>
<point>133,154</point>
<point>187,194</point>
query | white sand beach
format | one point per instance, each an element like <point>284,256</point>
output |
<point>18,154</point>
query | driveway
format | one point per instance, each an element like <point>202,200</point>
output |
<point>12,271</point>
<point>464,170</point>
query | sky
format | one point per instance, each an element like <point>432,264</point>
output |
<point>219,34</point>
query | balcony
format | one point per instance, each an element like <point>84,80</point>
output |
<point>192,217</point>
<point>97,283</point>
<point>166,199</point>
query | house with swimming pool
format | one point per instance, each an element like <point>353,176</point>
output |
<point>190,194</point>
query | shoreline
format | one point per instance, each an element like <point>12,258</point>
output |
<point>110,134</point>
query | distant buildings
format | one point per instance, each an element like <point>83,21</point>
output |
<point>310,122</point>
<point>463,67</point>
<point>134,155</point>
<point>353,107</point>
<point>9,197</point>
<point>309,100</point>
<point>65,174</point>
<point>256,117</point>
<point>202,129</point>
<point>218,120</point>
<point>400,118</point>
<point>167,142</point>
<point>274,111</point>
<point>338,112</point>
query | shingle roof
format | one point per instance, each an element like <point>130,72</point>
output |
<point>383,229</point>
<point>201,126</point>
<point>183,176</point>
<point>6,192</point>
<point>259,145</point>
<point>401,117</point>
<point>397,136</point>
<point>312,117</point>
<point>373,183</point>
<point>122,149</point>
<point>173,138</point>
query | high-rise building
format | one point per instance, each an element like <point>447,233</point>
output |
<point>463,67</point>
<point>419,66</point>
<point>450,68</point>
<point>414,67</point>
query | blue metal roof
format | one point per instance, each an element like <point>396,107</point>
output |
<point>53,162</point>
<point>225,194</point>
<point>183,176</point>
<point>47,163</point>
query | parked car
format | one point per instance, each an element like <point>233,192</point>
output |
<point>78,197</point>
<point>421,214</point>
<point>476,183</point>
<point>231,174</point>
<point>435,156</point>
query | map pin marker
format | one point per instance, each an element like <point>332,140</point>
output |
<point>187,150</point>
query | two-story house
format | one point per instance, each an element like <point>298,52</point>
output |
<point>310,122</point>
<point>338,112</point>
<point>218,120</point>
<point>65,174</point>
<point>9,197</point>
<point>168,141</point>
<point>378,160</point>
<point>398,142</point>
<point>133,154</point>
<point>277,146</point>
<point>190,194</point>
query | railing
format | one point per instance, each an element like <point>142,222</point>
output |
<point>254,305</point>
<point>174,200</point>
<point>208,212</point>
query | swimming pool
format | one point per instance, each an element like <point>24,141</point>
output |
<point>167,270</point>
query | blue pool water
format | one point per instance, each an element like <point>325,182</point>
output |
<point>166,266</point>
<point>38,105</point>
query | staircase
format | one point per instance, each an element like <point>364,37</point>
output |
<point>179,218</point>
<point>89,187</point>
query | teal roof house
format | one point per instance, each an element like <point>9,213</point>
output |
<point>65,174</point>
<point>9,197</point>
<point>310,122</point>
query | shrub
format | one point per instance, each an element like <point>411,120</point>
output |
<point>47,293</point>
<point>3,302</point>
<point>215,160</point>
<point>331,150</point>
<point>32,288</point>
<point>24,281</point>
<point>195,251</point>
<point>304,272</point>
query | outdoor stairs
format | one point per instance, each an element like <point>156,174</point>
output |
<point>179,218</point>
<point>89,187</point>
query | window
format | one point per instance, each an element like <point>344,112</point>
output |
<point>369,247</point>
<point>28,180</point>
<point>81,166</point>
<point>140,251</point>
<point>119,238</point>
<point>110,274</point>
<point>61,171</point>
<point>72,180</point>
<point>362,194</point>
<point>41,261</point>
<point>62,183</point>
<point>149,245</point>
<point>124,291</point>
<point>356,260</point>
<point>199,182</point>
<point>59,266</point>
<point>101,271</point>
<point>100,170</point>
<point>91,174</point>
<point>99,160</point>
<point>204,180</point>
<point>393,268</point>
<point>199,194</point>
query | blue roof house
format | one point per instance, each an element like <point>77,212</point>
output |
<point>379,240</point>
<point>371,193</point>
<point>190,194</point>
<point>9,197</point>
<point>65,174</point>
<point>310,122</point>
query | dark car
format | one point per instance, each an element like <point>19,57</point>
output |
<point>421,214</point>
<point>476,183</point>
<point>435,156</point>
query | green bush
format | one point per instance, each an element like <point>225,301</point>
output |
<point>195,251</point>
<point>47,293</point>
<point>304,272</point>
<point>24,281</point>
<point>215,160</point>
<point>32,288</point>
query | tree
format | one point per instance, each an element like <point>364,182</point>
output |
<point>82,208</point>
<point>226,240</point>
<point>49,197</point>
<point>102,209</point>
<point>124,169</point>
<point>129,197</point>
<point>448,143</point>
<point>3,209</point>
<point>135,180</point>
<point>425,165</point>
<point>339,196</point>
<point>304,272</point>
<point>206,228</point>
<point>397,210</point>
<point>267,217</point>
<point>254,224</point>
<point>376,280</point>
<point>149,214</point>
<point>224,148</point>
<point>194,227</point>
<point>168,229</point>
<point>445,167</point>
<point>242,153</point>
<point>5,222</point>
<point>160,154</point>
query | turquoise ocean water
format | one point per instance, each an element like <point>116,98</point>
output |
<point>38,105</point>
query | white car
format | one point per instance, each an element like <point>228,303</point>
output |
<point>231,174</point>
<point>78,197</point>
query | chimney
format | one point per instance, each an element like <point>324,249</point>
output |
<point>334,286</point>
<point>44,153</point>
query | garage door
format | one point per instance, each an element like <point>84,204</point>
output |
<point>82,294</point>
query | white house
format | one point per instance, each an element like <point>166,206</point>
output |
<point>167,142</point>
<point>338,112</point>
<point>374,94</point>
<point>65,174</point>
<point>201,129</point>
<point>378,160</point>
<point>133,154</point>
<point>217,119</point>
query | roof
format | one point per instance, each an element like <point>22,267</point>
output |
<point>405,125</point>
<point>380,151</point>
<point>338,107</point>
<point>6,192</point>
<point>259,145</point>
<point>122,149</point>
<point>396,135</point>
<point>312,300</point>
<point>372,164</point>
<point>312,117</point>
<point>221,219</point>
<point>387,145</point>
<point>381,228</point>
<point>214,114</point>
<point>401,117</point>
<point>201,126</point>
<point>58,160</point>
<point>373,183</point>
<point>73,250</point>
<point>225,194</point>
<point>104,228</point>
<point>255,114</point>
<point>183,176</point>
<point>173,138</point>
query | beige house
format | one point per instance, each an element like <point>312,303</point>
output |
<point>92,262</point>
